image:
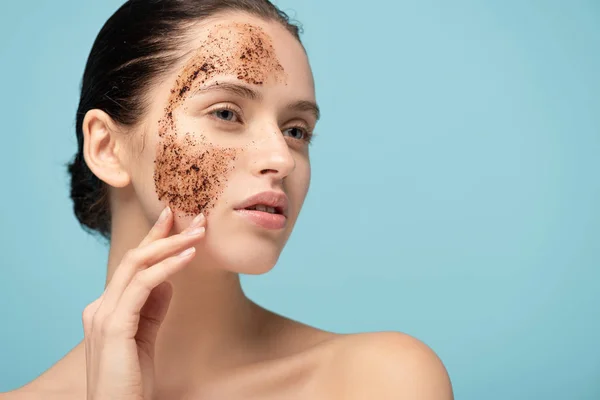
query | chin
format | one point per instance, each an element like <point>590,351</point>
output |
<point>242,252</point>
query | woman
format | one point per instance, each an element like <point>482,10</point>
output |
<point>193,127</point>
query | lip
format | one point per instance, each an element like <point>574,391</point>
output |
<point>277,200</point>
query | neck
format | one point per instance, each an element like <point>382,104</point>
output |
<point>210,323</point>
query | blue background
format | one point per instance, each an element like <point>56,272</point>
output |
<point>455,191</point>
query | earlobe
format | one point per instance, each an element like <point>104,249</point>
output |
<point>101,149</point>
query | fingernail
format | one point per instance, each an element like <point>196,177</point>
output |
<point>187,252</point>
<point>197,221</point>
<point>164,214</point>
<point>195,231</point>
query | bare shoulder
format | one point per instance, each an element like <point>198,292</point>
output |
<point>23,393</point>
<point>64,380</point>
<point>36,393</point>
<point>53,384</point>
<point>387,365</point>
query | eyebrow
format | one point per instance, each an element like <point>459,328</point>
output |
<point>251,94</point>
<point>239,90</point>
<point>305,105</point>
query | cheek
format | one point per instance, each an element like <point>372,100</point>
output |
<point>190,174</point>
<point>306,182</point>
<point>306,172</point>
<point>301,182</point>
<point>309,175</point>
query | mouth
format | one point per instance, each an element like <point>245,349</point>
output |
<point>267,209</point>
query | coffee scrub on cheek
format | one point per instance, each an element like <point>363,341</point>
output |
<point>190,172</point>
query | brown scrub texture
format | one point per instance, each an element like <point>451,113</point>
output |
<point>190,173</point>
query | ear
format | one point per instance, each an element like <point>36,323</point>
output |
<point>102,150</point>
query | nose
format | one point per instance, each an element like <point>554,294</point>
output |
<point>273,156</point>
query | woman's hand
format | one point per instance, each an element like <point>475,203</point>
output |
<point>121,326</point>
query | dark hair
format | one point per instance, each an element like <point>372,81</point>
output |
<point>137,43</point>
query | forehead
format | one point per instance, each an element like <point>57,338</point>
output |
<point>251,49</point>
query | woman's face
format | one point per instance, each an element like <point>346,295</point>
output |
<point>233,121</point>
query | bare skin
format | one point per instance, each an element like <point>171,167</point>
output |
<point>298,371</point>
<point>327,366</point>
<point>214,342</point>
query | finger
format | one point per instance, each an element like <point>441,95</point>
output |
<point>128,309</point>
<point>152,315</point>
<point>161,228</point>
<point>87,316</point>
<point>140,258</point>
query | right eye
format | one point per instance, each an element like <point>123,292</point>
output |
<point>225,114</point>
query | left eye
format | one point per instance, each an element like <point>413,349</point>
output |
<point>225,115</point>
<point>296,133</point>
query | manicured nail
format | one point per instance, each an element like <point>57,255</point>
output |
<point>197,221</point>
<point>187,252</point>
<point>164,214</point>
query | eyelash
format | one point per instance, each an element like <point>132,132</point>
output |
<point>308,135</point>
